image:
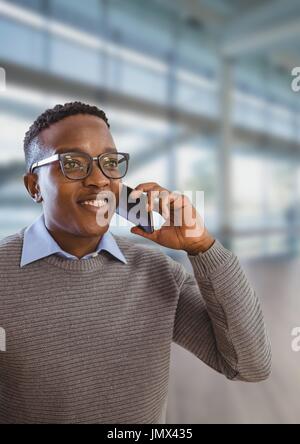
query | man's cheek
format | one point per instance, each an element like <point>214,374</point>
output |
<point>57,203</point>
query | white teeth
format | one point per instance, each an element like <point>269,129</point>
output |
<point>95,203</point>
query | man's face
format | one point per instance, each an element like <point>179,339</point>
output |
<point>62,198</point>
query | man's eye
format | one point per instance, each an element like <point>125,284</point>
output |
<point>111,163</point>
<point>72,164</point>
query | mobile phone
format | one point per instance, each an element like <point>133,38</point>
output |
<point>135,210</point>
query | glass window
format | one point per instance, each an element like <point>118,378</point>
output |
<point>12,134</point>
<point>138,81</point>
<point>33,4</point>
<point>192,50</point>
<point>249,193</point>
<point>197,171</point>
<point>76,62</point>
<point>21,44</point>
<point>142,22</point>
<point>263,191</point>
<point>85,15</point>
<point>249,111</point>
<point>17,210</point>
<point>261,114</point>
<point>197,99</point>
<point>262,246</point>
<point>281,192</point>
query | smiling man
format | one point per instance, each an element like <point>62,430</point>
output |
<point>89,316</point>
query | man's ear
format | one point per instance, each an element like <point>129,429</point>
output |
<point>32,186</point>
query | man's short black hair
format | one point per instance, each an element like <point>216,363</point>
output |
<point>32,150</point>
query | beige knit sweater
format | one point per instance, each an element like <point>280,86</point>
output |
<point>88,341</point>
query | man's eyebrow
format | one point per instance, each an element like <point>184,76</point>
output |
<point>80,150</point>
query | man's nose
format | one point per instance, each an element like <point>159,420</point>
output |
<point>96,177</point>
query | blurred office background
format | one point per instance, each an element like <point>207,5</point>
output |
<point>199,93</point>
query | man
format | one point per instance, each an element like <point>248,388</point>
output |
<point>90,316</point>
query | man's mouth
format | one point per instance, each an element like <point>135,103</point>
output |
<point>99,203</point>
<point>95,204</point>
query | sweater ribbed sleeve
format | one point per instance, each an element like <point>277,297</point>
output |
<point>219,317</point>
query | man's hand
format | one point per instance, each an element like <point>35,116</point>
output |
<point>184,228</point>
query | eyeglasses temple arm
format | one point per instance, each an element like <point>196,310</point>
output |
<point>44,162</point>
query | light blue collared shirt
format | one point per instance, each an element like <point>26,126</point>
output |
<point>38,243</point>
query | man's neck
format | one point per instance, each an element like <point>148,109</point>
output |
<point>75,245</point>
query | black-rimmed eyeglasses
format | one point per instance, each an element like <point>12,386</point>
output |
<point>78,166</point>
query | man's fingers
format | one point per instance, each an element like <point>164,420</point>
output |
<point>140,232</point>
<point>147,186</point>
<point>152,198</point>
<point>160,199</point>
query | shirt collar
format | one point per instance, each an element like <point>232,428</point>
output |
<point>38,244</point>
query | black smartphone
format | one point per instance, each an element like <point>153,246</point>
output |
<point>135,210</point>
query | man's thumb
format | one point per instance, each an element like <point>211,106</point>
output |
<point>136,230</point>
